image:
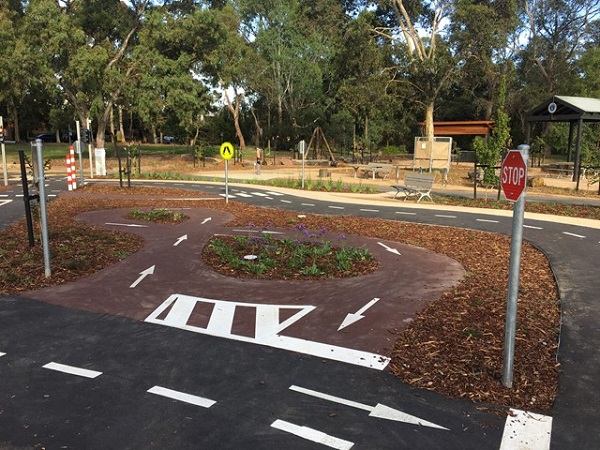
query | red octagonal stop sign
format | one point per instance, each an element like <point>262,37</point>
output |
<point>513,175</point>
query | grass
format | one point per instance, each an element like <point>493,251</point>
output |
<point>160,215</point>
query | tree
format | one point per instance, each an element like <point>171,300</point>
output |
<point>489,151</point>
<point>86,47</point>
<point>427,64</point>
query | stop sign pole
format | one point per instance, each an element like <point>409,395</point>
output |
<point>513,179</point>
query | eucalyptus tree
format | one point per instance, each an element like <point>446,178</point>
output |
<point>18,68</point>
<point>167,85</point>
<point>419,29</point>
<point>555,33</point>
<point>85,47</point>
<point>295,41</point>
<point>482,32</point>
<point>364,75</point>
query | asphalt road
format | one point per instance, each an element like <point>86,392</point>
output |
<point>133,384</point>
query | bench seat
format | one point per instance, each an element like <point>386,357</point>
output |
<point>416,185</point>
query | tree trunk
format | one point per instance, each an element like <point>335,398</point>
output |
<point>15,117</point>
<point>235,112</point>
<point>121,127</point>
<point>429,132</point>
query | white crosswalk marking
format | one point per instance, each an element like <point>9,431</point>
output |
<point>178,308</point>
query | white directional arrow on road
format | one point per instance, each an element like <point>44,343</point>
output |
<point>143,274</point>
<point>180,240</point>
<point>208,219</point>
<point>135,225</point>
<point>380,411</point>
<point>389,249</point>
<point>355,317</point>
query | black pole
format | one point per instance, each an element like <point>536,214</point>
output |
<point>120,167</point>
<point>27,199</point>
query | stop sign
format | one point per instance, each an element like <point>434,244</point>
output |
<point>513,175</point>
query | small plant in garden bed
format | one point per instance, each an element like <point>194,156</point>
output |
<point>160,215</point>
<point>263,256</point>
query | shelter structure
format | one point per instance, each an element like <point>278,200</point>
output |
<point>573,110</point>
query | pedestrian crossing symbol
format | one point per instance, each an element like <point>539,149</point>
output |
<point>226,150</point>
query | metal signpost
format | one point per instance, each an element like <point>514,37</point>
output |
<point>227,153</point>
<point>513,179</point>
<point>3,151</point>
<point>42,193</point>
<point>302,150</point>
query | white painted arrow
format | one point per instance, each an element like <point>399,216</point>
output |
<point>380,411</point>
<point>355,317</point>
<point>143,274</point>
<point>389,249</point>
<point>180,240</point>
<point>126,225</point>
<point>206,220</point>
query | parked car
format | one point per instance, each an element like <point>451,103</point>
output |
<point>46,137</point>
<point>168,139</point>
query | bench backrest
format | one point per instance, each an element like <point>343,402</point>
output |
<point>422,180</point>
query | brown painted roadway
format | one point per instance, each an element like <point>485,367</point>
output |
<point>404,285</point>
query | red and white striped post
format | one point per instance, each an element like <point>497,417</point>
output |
<point>69,174</point>
<point>73,169</point>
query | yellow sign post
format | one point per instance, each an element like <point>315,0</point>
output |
<point>226,152</point>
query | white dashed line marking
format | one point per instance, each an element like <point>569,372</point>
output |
<point>487,220</point>
<point>243,194</point>
<point>313,435</point>
<point>406,213</point>
<point>532,227</point>
<point>274,193</point>
<point>182,396</point>
<point>336,207</point>
<point>307,204</point>
<point>525,429</point>
<point>2,354</point>
<point>285,201</point>
<point>225,195</point>
<point>574,235</point>
<point>259,194</point>
<point>72,370</point>
<point>444,216</point>
<point>369,210</point>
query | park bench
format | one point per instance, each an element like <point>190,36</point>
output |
<point>416,184</point>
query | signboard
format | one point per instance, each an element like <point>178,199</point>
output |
<point>513,175</point>
<point>226,150</point>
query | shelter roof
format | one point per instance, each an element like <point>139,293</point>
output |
<point>562,108</point>
<point>463,127</point>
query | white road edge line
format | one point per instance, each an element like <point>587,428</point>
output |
<point>528,430</point>
<point>72,370</point>
<point>182,396</point>
<point>574,235</point>
<point>312,435</point>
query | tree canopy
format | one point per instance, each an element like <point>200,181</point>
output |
<point>270,72</point>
